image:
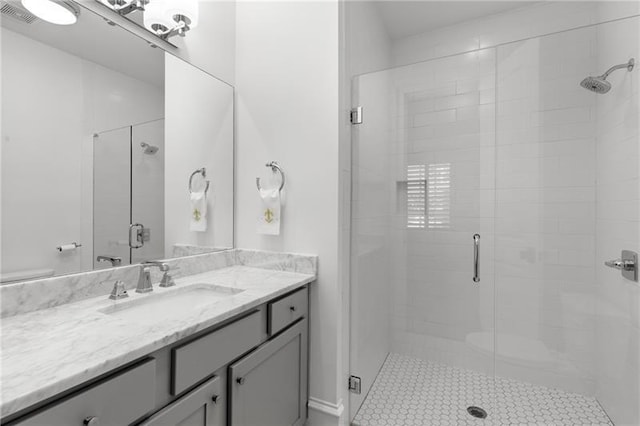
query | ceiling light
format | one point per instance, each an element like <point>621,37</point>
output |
<point>55,12</point>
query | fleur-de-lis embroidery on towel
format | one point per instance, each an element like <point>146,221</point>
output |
<point>268,215</point>
<point>196,215</point>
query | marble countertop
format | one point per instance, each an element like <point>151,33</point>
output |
<point>48,351</point>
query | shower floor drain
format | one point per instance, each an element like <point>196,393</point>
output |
<point>477,412</point>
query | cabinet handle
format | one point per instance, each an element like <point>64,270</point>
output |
<point>91,421</point>
<point>215,398</point>
<point>240,380</point>
<point>292,308</point>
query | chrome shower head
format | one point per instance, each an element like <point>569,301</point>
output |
<point>596,84</point>
<point>600,84</point>
<point>149,149</point>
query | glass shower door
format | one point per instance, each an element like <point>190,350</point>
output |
<point>111,196</point>
<point>147,188</point>
<point>422,313</point>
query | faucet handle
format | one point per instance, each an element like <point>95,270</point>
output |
<point>167,280</point>
<point>118,292</point>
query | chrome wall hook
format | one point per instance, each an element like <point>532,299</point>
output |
<point>203,172</point>
<point>274,168</point>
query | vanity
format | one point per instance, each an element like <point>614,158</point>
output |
<point>227,346</point>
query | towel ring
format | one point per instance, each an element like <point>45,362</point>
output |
<point>203,172</point>
<point>274,168</point>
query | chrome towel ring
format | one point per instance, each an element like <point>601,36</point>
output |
<point>203,172</point>
<point>274,168</point>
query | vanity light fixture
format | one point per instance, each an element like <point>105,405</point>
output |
<point>57,12</point>
<point>125,7</point>
<point>167,18</point>
<point>164,18</point>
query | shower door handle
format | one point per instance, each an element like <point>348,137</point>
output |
<point>136,235</point>
<point>476,258</point>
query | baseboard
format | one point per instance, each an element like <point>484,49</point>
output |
<point>323,413</point>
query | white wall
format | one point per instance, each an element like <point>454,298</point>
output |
<point>617,347</point>
<point>198,133</point>
<point>43,87</point>
<point>287,100</point>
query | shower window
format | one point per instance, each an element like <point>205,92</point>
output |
<point>438,196</point>
<point>429,196</point>
<point>416,196</point>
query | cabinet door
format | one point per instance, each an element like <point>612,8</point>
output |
<point>204,406</point>
<point>268,387</point>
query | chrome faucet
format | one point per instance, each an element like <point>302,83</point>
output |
<point>144,281</point>
<point>119,291</point>
<point>115,260</point>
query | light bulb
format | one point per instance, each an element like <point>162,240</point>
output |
<point>155,17</point>
<point>55,12</point>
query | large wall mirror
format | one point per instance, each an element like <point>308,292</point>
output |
<point>113,151</point>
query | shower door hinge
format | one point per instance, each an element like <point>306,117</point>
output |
<point>355,384</point>
<point>356,115</point>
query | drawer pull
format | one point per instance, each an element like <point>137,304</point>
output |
<point>292,308</point>
<point>240,380</point>
<point>215,398</point>
<point>91,421</point>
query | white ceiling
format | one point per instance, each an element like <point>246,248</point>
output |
<point>407,18</point>
<point>93,39</point>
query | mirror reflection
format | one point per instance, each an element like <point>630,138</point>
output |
<point>113,152</point>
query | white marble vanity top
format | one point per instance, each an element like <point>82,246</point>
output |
<point>48,351</point>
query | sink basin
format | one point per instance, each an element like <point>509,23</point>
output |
<point>160,306</point>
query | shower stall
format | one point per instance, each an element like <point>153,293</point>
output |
<point>128,200</point>
<point>488,190</point>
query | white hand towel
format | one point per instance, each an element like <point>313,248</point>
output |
<point>269,217</point>
<point>198,222</point>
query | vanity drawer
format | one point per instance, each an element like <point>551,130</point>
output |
<point>194,361</point>
<point>116,401</point>
<point>287,310</point>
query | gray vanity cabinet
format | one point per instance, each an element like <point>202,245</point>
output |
<point>203,406</point>
<point>104,403</point>
<point>268,387</point>
<point>250,370</point>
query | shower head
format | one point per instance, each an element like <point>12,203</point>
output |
<point>600,84</point>
<point>596,84</point>
<point>149,149</point>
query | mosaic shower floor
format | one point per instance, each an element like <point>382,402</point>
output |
<point>410,391</point>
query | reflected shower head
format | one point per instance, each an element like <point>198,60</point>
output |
<point>600,84</point>
<point>149,149</point>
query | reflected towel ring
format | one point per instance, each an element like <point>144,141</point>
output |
<point>202,171</point>
<point>274,168</point>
